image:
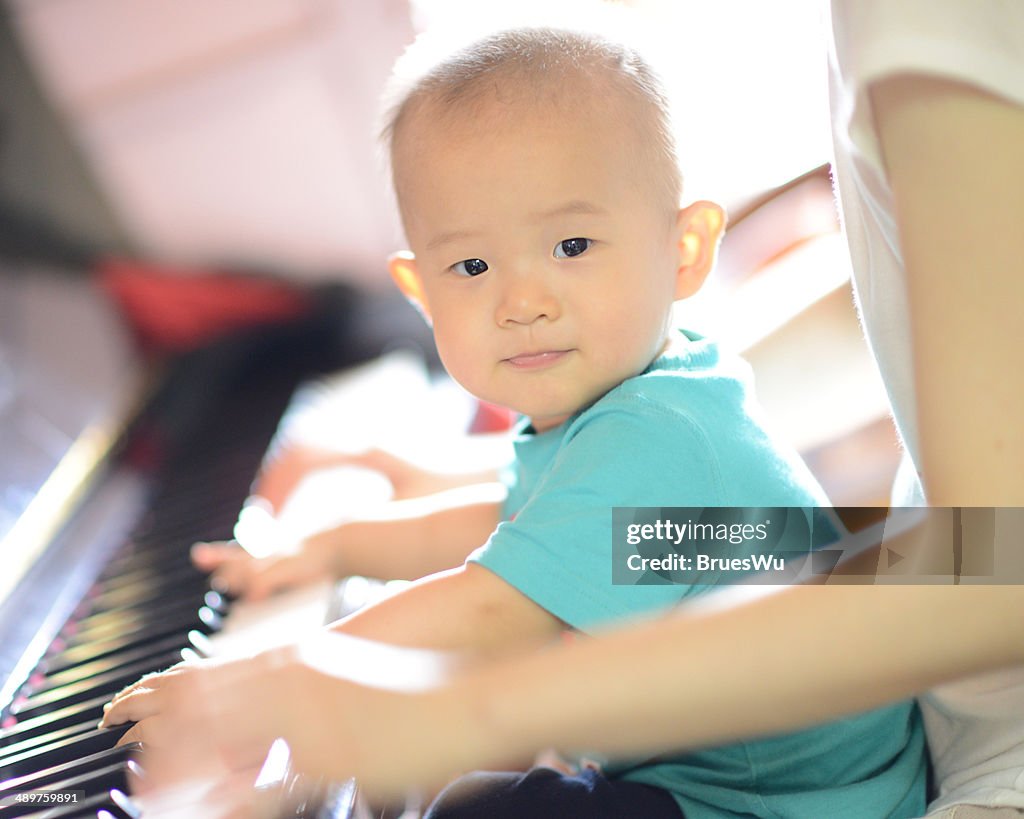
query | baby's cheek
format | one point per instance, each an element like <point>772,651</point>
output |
<point>457,356</point>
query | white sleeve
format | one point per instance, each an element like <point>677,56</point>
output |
<point>979,42</point>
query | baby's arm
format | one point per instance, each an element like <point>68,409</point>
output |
<point>404,540</point>
<point>469,609</point>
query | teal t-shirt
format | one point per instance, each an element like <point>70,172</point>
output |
<point>686,433</point>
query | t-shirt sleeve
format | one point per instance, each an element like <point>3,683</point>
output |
<point>558,548</point>
<point>980,43</point>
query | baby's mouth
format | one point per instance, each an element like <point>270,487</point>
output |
<point>537,360</point>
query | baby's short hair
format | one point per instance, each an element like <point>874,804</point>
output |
<point>532,60</point>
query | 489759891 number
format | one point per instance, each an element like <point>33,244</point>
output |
<point>41,798</point>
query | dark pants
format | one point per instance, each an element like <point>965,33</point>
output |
<point>543,792</point>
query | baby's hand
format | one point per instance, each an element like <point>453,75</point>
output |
<point>142,703</point>
<point>237,572</point>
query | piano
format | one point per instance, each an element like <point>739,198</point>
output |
<point>109,473</point>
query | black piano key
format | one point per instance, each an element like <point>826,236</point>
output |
<point>39,740</point>
<point>146,651</point>
<point>128,587</point>
<point>176,581</point>
<point>113,681</point>
<point>126,571</point>
<point>143,553</point>
<point>204,620</point>
<point>89,619</point>
<point>100,781</point>
<point>183,613</point>
<point>178,535</point>
<point>36,780</point>
<point>136,558</point>
<point>105,779</point>
<point>180,630</point>
<point>118,621</point>
<point>45,723</point>
<point>89,653</point>
<point>99,739</point>
<point>113,803</point>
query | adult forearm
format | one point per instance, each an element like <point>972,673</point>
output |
<point>804,655</point>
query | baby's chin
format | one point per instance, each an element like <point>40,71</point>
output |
<point>545,423</point>
<point>549,417</point>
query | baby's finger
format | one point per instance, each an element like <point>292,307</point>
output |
<point>208,556</point>
<point>234,575</point>
<point>275,574</point>
<point>148,683</point>
<point>154,731</point>
<point>137,705</point>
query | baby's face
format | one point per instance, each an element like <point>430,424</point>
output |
<point>547,268</point>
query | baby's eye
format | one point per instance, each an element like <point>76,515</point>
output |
<point>470,267</point>
<point>571,247</point>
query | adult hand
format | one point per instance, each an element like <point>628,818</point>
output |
<point>344,706</point>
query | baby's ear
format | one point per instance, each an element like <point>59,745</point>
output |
<point>402,266</point>
<point>700,228</point>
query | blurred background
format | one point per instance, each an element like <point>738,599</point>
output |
<point>242,132</point>
<point>205,165</point>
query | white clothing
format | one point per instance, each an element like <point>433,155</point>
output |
<point>975,728</point>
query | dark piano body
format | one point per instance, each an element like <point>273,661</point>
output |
<point>112,595</point>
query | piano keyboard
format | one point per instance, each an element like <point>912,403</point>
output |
<point>144,604</point>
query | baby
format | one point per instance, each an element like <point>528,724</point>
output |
<point>538,185</point>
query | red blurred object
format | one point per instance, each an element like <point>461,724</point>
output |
<point>492,418</point>
<point>178,309</point>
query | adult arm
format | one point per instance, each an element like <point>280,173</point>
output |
<point>801,656</point>
<point>954,157</point>
<point>808,654</point>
